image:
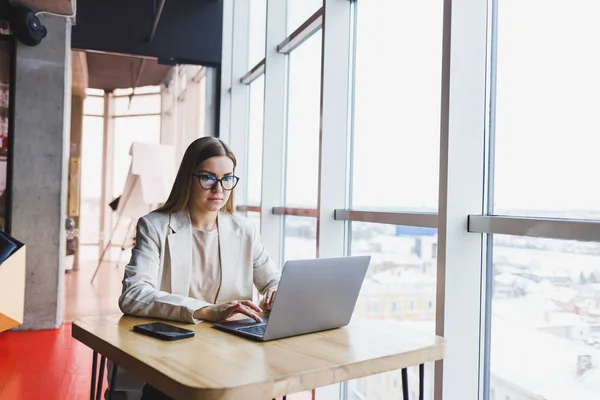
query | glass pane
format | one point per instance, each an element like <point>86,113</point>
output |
<point>547,138</point>
<point>258,31</point>
<point>138,90</point>
<point>147,104</point>
<point>129,130</point>
<point>94,92</point>
<point>299,11</point>
<point>254,217</point>
<point>300,240</point>
<point>397,107</point>
<point>302,180</point>
<point>545,336</point>
<point>255,140</point>
<point>400,287</point>
<point>91,179</point>
<point>93,105</point>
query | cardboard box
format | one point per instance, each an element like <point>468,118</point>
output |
<point>12,282</point>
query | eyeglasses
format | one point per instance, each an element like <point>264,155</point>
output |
<point>209,182</point>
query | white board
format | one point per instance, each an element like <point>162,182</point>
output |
<point>131,204</point>
<point>149,179</point>
<point>154,164</point>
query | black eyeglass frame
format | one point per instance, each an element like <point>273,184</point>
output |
<point>198,176</point>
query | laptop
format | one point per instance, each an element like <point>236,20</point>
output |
<point>313,295</point>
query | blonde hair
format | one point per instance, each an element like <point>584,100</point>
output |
<point>197,152</point>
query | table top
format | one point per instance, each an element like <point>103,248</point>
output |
<point>217,365</point>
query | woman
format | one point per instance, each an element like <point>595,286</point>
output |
<point>193,259</point>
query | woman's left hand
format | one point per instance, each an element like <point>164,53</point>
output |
<point>269,298</point>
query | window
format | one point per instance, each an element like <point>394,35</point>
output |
<point>258,31</point>
<point>397,105</point>
<point>255,140</point>
<point>401,272</point>
<point>546,141</point>
<point>93,105</point>
<point>544,307</point>
<point>302,178</point>
<point>540,105</point>
<point>145,104</point>
<point>91,178</point>
<point>128,130</point>
<point>299,11</point>
<point>138,90</point>
<point>300,240</point>
<point>255,218</point>
<point>545,328</point>
<point>94,92</point>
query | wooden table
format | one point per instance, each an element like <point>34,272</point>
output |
<point>215,365</point>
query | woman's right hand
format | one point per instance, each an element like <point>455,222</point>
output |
<point>222,311</point>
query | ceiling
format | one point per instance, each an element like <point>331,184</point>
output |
<point>115,71</point>
<point>179,31</point>
<point>101,70</point>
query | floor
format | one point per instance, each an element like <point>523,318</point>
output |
<point>47,365</point>
<point>84,298</point>
<point>51,365</point>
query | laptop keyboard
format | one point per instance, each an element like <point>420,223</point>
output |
<point>258,330</point>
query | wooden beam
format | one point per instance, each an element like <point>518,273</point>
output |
<point>65,7</point>
<point>80,75</point>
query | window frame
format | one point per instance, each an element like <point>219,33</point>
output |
<point>465,221</point>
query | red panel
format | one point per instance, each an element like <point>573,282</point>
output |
<point>44,365</point>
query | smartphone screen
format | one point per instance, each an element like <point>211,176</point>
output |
<point>163,331</point>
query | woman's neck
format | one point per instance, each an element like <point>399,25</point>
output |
<point>203,220</point>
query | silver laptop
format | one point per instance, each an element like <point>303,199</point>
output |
<point>313,295</point>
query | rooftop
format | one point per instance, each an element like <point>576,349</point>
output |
<point>542,363</point>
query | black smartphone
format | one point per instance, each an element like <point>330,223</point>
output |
<point>163,331</point>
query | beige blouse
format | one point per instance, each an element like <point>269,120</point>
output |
<point>206,266</point>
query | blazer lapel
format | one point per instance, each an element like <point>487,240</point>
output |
<point>230,247</point>
<point>179,243</point>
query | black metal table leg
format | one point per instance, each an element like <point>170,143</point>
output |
<point>100,378</point>
<point>113,380</point>
<point>94,367</point>
<point>421,381</point>
<point>405,384</point>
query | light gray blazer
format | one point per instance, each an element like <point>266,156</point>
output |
<point>157,279</point>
